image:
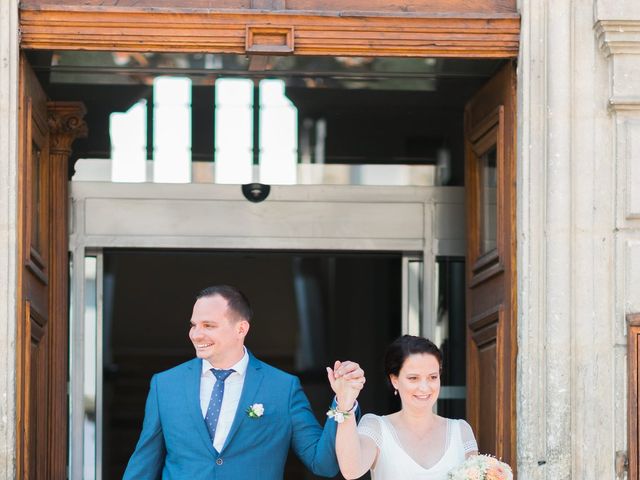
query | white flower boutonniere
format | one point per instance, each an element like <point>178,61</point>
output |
<point>337,415</point>
<point>256,410</point>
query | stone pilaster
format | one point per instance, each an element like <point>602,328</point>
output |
<point>618,31</point>
<point>9,65</point>
<point>566,213</point>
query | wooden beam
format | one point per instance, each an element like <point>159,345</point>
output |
<point>633,408</point>
<point>224,31</point>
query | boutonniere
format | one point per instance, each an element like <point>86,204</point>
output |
<point>256,410</point>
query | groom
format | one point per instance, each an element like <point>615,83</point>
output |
<point>226,414</point>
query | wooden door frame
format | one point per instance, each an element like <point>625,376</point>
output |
<point>266,29</point>
<point>458,34</point>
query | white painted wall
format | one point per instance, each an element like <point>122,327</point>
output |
<point>8,239</point>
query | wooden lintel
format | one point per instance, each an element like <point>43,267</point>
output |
<point>224,31</point>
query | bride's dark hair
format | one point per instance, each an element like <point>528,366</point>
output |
<point>398,351</point>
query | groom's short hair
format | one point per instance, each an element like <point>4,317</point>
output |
<point>237,302</point>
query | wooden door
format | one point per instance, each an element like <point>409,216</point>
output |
<point>34,275</point>
<point>46,131</point>
<point>490,152</point>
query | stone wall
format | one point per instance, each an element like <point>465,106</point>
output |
<point>618,31</point>
<point>578,233</point>
<point>8,162</point>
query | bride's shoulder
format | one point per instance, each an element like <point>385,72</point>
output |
<point>370,418</point>
<point>466,432</point>
<point>371,423</point>
<point>371,426</point>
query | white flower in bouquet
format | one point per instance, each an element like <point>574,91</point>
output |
<point>481,467</point>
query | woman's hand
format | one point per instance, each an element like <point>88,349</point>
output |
<point>346,380</point>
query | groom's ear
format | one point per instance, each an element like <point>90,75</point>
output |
<point>243,327</point>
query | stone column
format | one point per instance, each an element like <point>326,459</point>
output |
<point>565,222</point>
<point>9,66</point>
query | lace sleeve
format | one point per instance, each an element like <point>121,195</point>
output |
<point>369,426</point>
<point>468,439</point>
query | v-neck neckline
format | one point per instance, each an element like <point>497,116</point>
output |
<point>396,439</point>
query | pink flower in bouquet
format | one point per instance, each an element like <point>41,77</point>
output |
<point>481,467</point>
<point>496,473</point>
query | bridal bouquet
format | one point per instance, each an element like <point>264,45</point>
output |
<point>481,467</point>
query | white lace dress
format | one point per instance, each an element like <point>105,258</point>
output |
<point>394,463</point>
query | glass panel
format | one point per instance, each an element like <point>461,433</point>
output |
<point>281,120</point>
<point>450,335</point>
<point>488,199</point>
<point>234,131</point>
<point>90,367</point>
<point>278,134</point>
<point>172,130</point>
<point>412,296</point>
<point>128,132</point>
<point>98,170</point>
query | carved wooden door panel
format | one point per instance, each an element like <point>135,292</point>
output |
<point>491,276</point>
<point>46,131</point>
<point>34,277</point>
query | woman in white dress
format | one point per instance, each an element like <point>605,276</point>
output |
<point>413,443</point>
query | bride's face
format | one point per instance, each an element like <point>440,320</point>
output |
<point>418,382</point>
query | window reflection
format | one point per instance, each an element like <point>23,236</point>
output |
<point>278,134</point>
<point>128,145</point>
<point>233,130</point>
<point>489,182</point>
<point>312,120</point>
<point>90,367</point>
<point>450,335</point>
<point>172,130</point>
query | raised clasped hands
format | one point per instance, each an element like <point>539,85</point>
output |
<point>346,379</point>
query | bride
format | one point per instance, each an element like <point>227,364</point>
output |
<point>413,443</point>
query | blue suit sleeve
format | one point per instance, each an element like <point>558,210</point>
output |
<point>315,446</point>
<point>147,460</point>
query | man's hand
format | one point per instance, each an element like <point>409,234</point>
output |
<point>346,379</point>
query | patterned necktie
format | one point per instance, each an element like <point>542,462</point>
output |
<point>213,412</point>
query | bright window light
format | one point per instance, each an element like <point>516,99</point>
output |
<point>128,132</point>
<point>172,130</point>
<point>234,131</point>
<point>278,134</point>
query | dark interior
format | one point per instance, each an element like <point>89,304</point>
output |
<point>310,309</point>
<point>377,110</point>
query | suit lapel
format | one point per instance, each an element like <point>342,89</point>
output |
<point>252,381</point>
<point>192,393</point>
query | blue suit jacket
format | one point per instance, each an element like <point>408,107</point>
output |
<point>175,444</point>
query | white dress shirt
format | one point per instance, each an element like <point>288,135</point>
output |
<point>232,390</point>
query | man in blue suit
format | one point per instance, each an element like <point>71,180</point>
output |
<point>226,414</point>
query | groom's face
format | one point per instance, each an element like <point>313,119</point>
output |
<point>216,334</point>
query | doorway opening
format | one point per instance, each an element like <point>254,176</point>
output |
<point>310,308</point>
<point>355,122</point>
